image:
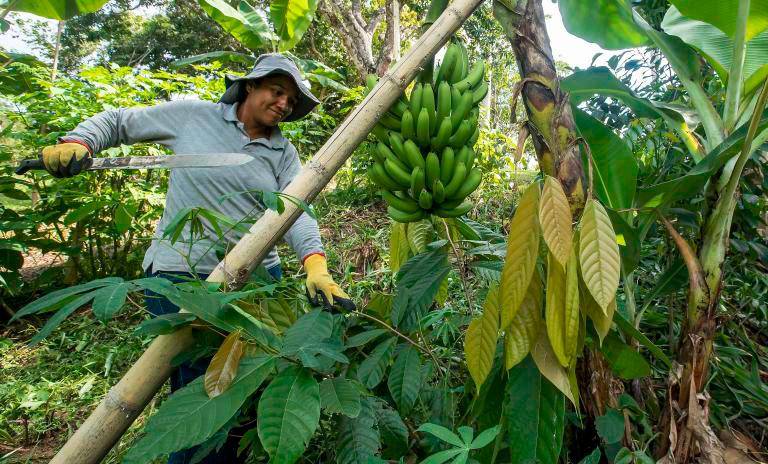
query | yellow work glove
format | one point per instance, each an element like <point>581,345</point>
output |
<point>65,159</point>
<point>320,284</point>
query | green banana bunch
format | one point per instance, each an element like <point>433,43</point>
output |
<point>424,161</point>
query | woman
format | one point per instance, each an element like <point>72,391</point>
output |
<point>245,120</point>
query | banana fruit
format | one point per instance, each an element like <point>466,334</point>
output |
<point>424,160</point>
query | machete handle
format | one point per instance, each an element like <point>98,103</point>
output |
<point>29,164</point>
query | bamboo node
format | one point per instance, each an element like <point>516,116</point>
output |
<point>114,401</point>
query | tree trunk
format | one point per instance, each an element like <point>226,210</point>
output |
<point>56,50</point>
<point>390,52</point>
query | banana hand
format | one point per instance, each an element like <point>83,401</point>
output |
<point>320,285</point>
<point>65,159</point>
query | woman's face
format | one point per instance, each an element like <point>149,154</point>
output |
<point>270,100</point>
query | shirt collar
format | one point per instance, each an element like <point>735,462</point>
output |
<point>276,140</point>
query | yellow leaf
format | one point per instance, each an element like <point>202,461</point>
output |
<point>481,338</point>
<point>599,254</point>
<point>554,311</point>
<point>522,251</point>
<point>399,249</point>
<point>419,234</point>
<point>549,367</point>
<point>602,321</point>
<point>442,292</point>
<point>223,367</point>
<point>572,317</point>
<point>524,328</point>
<point>556,220</point>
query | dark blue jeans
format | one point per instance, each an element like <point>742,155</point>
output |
<point>189,371</point>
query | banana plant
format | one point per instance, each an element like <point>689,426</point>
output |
<point>731,36</point>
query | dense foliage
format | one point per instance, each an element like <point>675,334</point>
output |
<point>512,333</point>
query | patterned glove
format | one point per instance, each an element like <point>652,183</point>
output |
<point>65,159</point>
<point>319,283</point>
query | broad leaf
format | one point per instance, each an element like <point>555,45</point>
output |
<point>534,413</point>
<point>549,367</point>
<point>357,439</point>
<point>53,298</point>
<point>220,55</point>
<point>717,47</point>
<point>399,249</point>
<point>419,234</point>
<point>689,185</point>
<point>404,379</point>
<point>443,434</point>
<point>339,396</point>
<point>556,220</point>
<point>608,23</point>
<point>364,337</point>
<point>485,437</point>
<point>633,332</point>
<point>371,370</point>
<point>84,211</point>
<point>288,414</point>
<point>572,315</point>
<point>674,278</point>
<point>189,417</point>
<point>554,308</point>
<point>628,241</point>
<point>245,24</point>
<point>418,282</point>
<point>481,338</point>
<point>291,19</point>
<point>394,433</point>
<point>58,9</point>
<point>522,251</point>
<point>223,367</point>
<point>599,254</point>
<point>625,361</point>
<point>108,301</point>
<point>722,14</point>
<point>524,328</point>
<point>610,426</point>
<point>601,319</point>
<point>165,324</point>
<point>615,167</point>
<point>59,317</point>
<point>310,329</point>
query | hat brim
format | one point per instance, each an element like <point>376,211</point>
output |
<point>235,92</point>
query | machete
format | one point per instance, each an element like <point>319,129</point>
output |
<point>207,160</point>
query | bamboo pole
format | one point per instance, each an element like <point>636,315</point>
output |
<point>107,423</point>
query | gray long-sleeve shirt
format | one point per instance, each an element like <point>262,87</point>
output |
<point>200,127</point>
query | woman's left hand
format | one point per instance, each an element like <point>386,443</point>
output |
<point>320,285</point>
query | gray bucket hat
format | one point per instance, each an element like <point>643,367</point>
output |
<point>270,64</point>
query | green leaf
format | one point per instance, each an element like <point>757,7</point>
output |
<point>165,324</point>
<point>399,249</point>
<point>220,55</point>
<point>607,23</point>
<point>442,456</point>
<point>717,47</point>
<point>404,379</point>
<point>339,396</point>
<point>246,24</point>
<point>358,439</point>
<point>610,426</point>
<point>123,217</point>
<point>58,9</point>
<point>311,328</point>
<point>722,14</point>
<point>625,362</point>
<point>615,167</point>
<point>189,417</point>
<point>394,433</point>
<point>442,433</point>
<point>690,184</point>
<point>628,240</point>
<point>593,458</point>
<point>84,211</point>
<point>59,317</point>
<point>631,331</point>
<point>417,284</point>
<point>291,19</point>
<point>485,437</point>
<point>534,412</point>
<point>58,296</point>
<point>364,337</point>
<point>674,278</point>
<point>371,370</point>
<point>288,414</point>
<point>108,301</point>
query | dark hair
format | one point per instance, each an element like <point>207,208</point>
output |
<point>243,91</point>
